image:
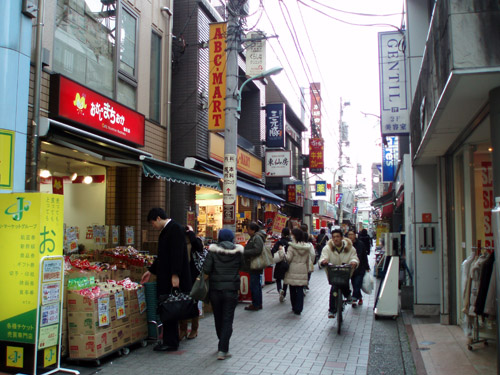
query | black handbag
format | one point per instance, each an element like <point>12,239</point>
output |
<point>177,306</point>
<point>199,291</point>
<point>280,269</point>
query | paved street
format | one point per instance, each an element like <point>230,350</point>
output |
<point>270,341</point>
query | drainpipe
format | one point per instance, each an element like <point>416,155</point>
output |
<point>33,181</point>
<point>169,13</point>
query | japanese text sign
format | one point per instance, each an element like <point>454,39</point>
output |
<point>217,77</point>
<point>275,125</point>
<point>320,188</point>
<point>393,92</point>
<point>279,223</point>
<point>256,54</point>
<point>83,106</point>
<point>291,195</point>
<point>316,148</point>
<point>31,227</point>
<point>278,163</point>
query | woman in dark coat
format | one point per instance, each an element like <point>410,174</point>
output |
<point>222,267</point>
<point>254,248</point>
<point>363,267</point>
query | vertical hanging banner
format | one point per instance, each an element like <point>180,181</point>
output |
<point>31,227</point>
<point>229,189</point>
<point>316,148</point>
<point>390,159</point>
<point>291,195</point>
<point>320,188</point>
<point>7,142</point>
<point>315,90</point>
<point>256,53</point>
<point>275,125</point>
<point>217,76</point>
<point>393,93</point>
<point>488,201</point>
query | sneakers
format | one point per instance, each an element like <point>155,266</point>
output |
<point>331,314</point>
<point>360,301</point>
<point>223,355</point>
<point>353,304</point>
<point>349,299</point>
<point>282,295</point>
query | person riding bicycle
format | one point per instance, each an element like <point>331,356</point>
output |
<point>338,251</point>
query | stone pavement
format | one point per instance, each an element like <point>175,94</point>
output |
<point>270,341</point>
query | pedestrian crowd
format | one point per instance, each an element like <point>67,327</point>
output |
<point>183,260</point>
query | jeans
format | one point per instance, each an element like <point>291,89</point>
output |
<point>333,300</point>
<point>223,304</point>
<point>357,282</point>
<point>278,286</point>
<point>256,290</point>
<point>297,298</point>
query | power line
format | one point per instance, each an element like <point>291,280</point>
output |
<point>355,13</point>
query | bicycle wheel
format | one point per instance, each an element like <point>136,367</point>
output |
<point>339,311</point>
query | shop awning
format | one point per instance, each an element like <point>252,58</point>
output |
<point>175,173</point>
<point>250,190</point>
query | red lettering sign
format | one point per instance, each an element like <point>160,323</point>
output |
<point>316,163</point>
<point>291,193</point>
<point>82,106</point>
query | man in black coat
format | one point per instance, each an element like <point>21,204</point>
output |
<point>171,268</point>
<point>363,267</point>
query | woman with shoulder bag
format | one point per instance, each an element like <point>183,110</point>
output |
<point>281,267</point>
<point>222,268</point>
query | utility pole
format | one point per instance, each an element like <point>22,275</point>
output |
<point>340,214</point>
<point>231,123</point>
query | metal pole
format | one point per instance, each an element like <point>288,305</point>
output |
<point>340,213</point>
<point>231,123</point>
<point>33,180</point>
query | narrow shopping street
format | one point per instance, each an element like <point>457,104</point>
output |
<point>270,341</point>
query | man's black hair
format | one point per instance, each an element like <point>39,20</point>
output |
<point>322,231</point>
<point>254,226</point>
<point>156,212</point>
<point>337,231</point>
<point>285,232</point>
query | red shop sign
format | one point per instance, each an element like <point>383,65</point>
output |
<point>78,104</point>
<point>291,193</point>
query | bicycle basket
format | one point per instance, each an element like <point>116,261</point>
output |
<point>339,275</point>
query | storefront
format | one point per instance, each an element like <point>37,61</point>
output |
<point>473,234</point>
<point>92,153</point>
<point>323,214</point>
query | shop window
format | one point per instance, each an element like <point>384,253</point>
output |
<point>155,78</point>
<point>85,46</point>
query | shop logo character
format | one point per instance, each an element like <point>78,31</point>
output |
<point>18,208</point>
<point>15,356</point>
<point>47,243</point>
<point>79,103</point>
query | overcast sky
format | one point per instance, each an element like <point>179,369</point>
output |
<point>342,57</point>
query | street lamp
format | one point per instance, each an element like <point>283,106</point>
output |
<point>231,145</point>
<point>264,74</point>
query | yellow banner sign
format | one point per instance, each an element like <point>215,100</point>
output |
<point>246,162</point>
<point>31,227</point>
<point>217,77</point>
<point>6,159</point>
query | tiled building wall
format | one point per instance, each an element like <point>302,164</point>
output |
<point>153,195</point>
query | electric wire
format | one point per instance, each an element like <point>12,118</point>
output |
<point>355,13</point>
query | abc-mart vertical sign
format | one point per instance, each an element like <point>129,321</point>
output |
<point>394,101</point>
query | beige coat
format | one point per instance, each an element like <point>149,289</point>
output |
<point>298,256</point>
<point>347,255</point>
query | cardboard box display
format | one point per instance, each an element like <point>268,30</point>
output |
<point>85,323</point>
<point>77,302</point>
<point>133,306</point>
<point>123,336</point>
<point>137,320</point>
<point>64,326</point>
<point>91,346</point>
<point>64,343</point>
<point>139,333</point>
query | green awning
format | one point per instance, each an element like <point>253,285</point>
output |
<point>175,173</point>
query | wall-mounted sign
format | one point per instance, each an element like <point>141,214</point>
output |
<point>275,125</point>
<point>316,164</point>
<point>393,93</point>
<point>217,76</point>
<point>82,106</point>
<point>278,163</point>
<point>6,159</point>
<point>315,89</point>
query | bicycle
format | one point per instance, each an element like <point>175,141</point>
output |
<point>338,277</point>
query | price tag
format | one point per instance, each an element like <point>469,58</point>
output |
<point>120,305</point>
<point>141,298</point>
<point>103,311</point>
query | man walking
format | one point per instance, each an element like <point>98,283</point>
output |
<point>171,268</point>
